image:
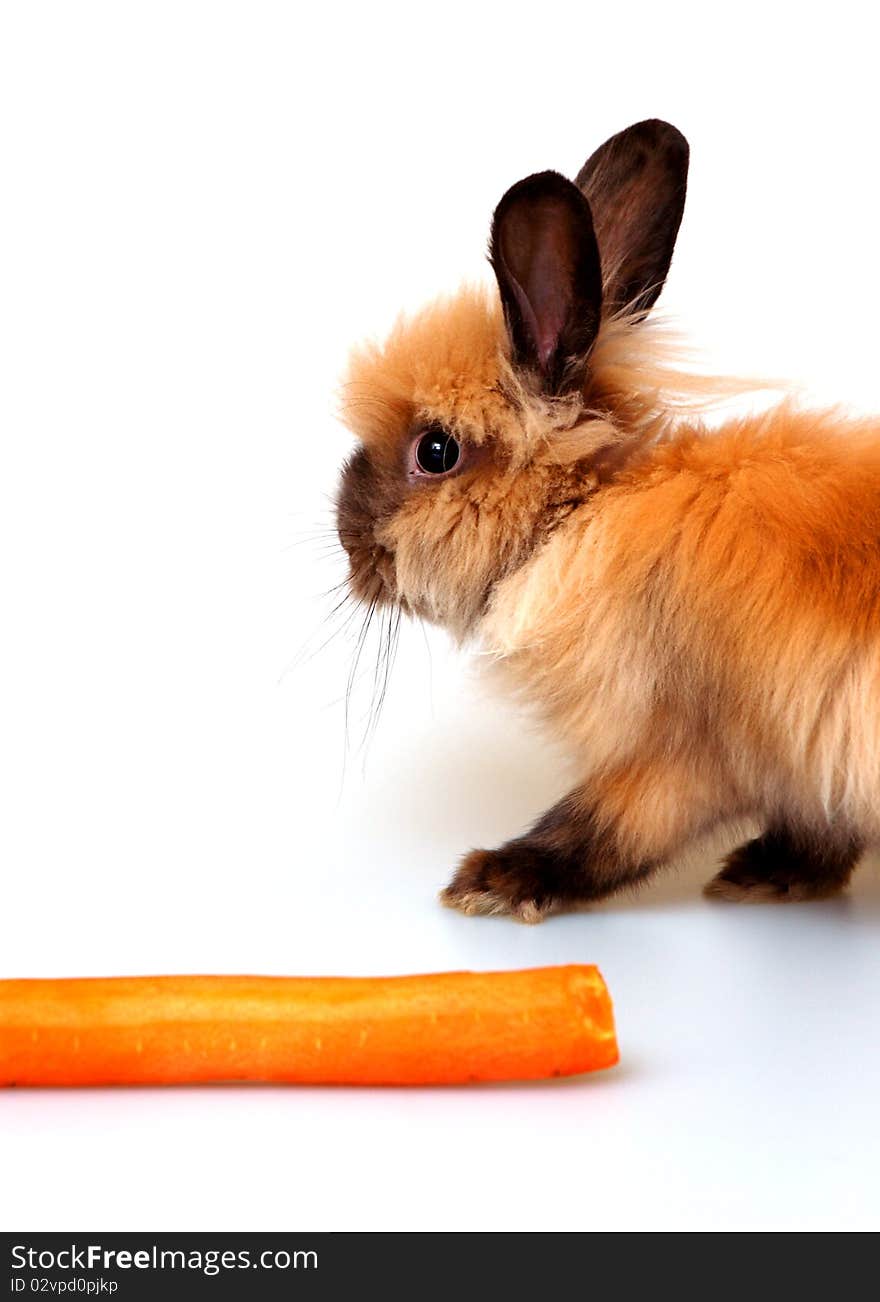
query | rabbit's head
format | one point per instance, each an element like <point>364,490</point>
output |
<point>485,420</point>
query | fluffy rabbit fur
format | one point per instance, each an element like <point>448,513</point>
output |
<point>695,614</point>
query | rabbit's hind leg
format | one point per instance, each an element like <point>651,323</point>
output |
<point>786,865</point>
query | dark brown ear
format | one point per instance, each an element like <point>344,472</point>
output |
<point>636,185</point>
<point>546,259</point>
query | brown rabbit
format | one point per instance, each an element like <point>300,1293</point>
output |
<point>696,615</point>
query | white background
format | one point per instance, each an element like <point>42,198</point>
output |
<point>203,207</point>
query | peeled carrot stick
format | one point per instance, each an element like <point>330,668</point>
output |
<point>446,1028</point>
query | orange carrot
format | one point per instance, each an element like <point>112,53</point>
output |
<point>446,1028</point>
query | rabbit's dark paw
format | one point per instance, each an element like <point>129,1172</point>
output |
<point>783,867</point>
<point>512,881</point>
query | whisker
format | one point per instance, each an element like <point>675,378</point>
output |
<point>376,674</point>
<point>305,654</point>
<point>368,619</point>
<point>331,537</point>
<point>331,592</point>
<point>386,655</point>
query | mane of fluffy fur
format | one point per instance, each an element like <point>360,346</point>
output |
<point>697,614</point>
<point>706,635</point>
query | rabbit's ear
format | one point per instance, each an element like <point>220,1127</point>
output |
<point>636,184</point>
<point>546,259</point>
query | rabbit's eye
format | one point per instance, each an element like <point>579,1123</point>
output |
<point>437,452</point>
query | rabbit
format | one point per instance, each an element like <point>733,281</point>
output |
<point>693,613</point>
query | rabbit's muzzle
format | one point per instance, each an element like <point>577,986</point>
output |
<point>365,498</point>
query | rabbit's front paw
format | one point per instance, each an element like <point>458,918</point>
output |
<point>512,880</point>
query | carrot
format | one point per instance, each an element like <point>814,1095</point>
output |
<point>446,1028</point>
